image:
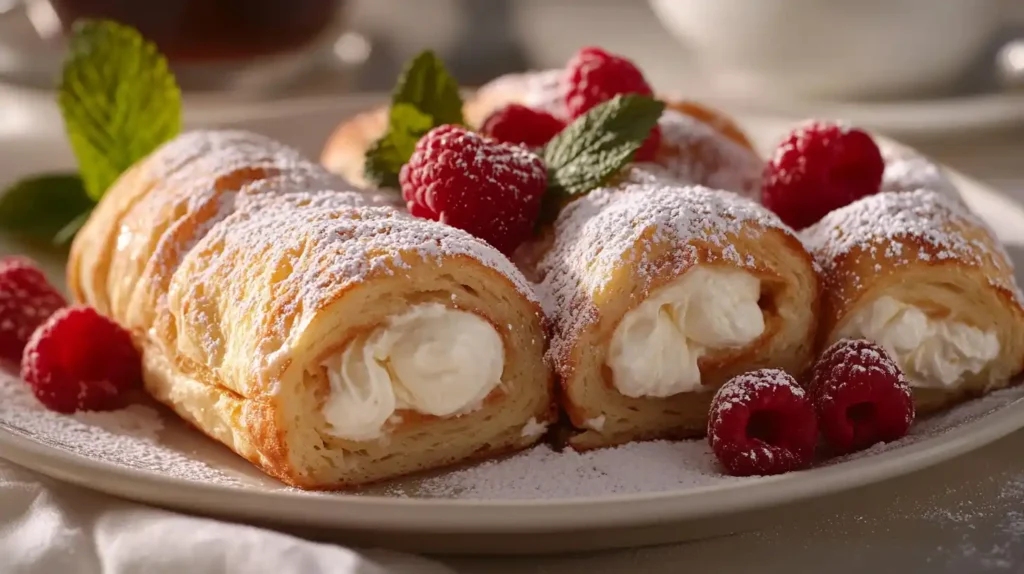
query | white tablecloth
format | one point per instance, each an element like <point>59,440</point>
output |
<point>48,527</point>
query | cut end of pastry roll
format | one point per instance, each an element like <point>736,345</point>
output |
<point>660,294</point>
<point>921,275</point>
<point>329,340</point>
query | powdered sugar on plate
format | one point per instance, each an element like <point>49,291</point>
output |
<point>129,437</point>
<point>658,466</point>
<point>135,438</point>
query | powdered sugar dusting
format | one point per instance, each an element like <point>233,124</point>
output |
<point>598,234</point>
<point>540,90</point>
<point>129,437</point>
<point>701,154</point>
<point>896,223</point>
<point>543,473</point>
<point>741,389</point>
<point>656,466</point>
<point>907,170</point>
<point>326,247</point>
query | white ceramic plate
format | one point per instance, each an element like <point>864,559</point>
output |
<point>146,454</point>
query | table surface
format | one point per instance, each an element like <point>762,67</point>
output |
<point>966,515</point>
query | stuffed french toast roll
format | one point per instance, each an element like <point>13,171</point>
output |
<point>699,145</point>
<point>923,277</point>
<point>330,340</point>
<point>660,293</point>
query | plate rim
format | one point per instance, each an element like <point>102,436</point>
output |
<point>412,514</point>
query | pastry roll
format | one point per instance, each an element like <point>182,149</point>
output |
<point>919,274</point>
<point>327,338</point>
<point>659,294</point>
<point>699,145</point>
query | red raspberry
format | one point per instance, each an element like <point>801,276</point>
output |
<point>522,125</point>
<point>81,361</point>
<point>490,189</point>
<point>762,423</point>
<point>861,396</point>
<point>649,150</point>
<point>818,168</point>
<point>595,76</point>
<point>26,300</point>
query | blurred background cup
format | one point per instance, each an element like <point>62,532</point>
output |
<point>830,48</point>
<point>212,45</point>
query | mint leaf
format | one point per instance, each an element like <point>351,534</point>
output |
<point>426,85</point>
<point>118,98</point>
<point>385,158</point>
<point>589,151</point>
<point>44,206</point>
<point>426,96</point>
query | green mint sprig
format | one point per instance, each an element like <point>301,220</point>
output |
<point>118,98</point>
<point>593,148</point>
<point>119,101</point>
<point>44,206</point>
<point>590,150</point>
<point>426,96</point>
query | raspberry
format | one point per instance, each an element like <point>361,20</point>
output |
<point>595,76</point>
<point>26,300</point>
<point>491,189</point>
<point>860,395</point>
<point>818,168</point>
<point>649,150</point>
<point>762,423</point>
<point>522,125</point>
<point>81,361</point>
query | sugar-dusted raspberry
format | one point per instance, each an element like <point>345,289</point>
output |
<point>79,360</point>
<point>818,168</point>
<point>594,76</point>
<point>522,125</point>
<point>762,423</point>
<point>861,396</point>
<point>491,189</point>
<point>26,300</point>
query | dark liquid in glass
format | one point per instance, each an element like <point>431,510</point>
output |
<point>205,30</point>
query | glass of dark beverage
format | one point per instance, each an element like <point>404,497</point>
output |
<point>215,44</point>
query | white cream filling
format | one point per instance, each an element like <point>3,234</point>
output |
<point>656,346</point>
<point>931,352</point>
<point>430,359</point>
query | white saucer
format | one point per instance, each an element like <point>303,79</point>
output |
<point>147,454</point>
